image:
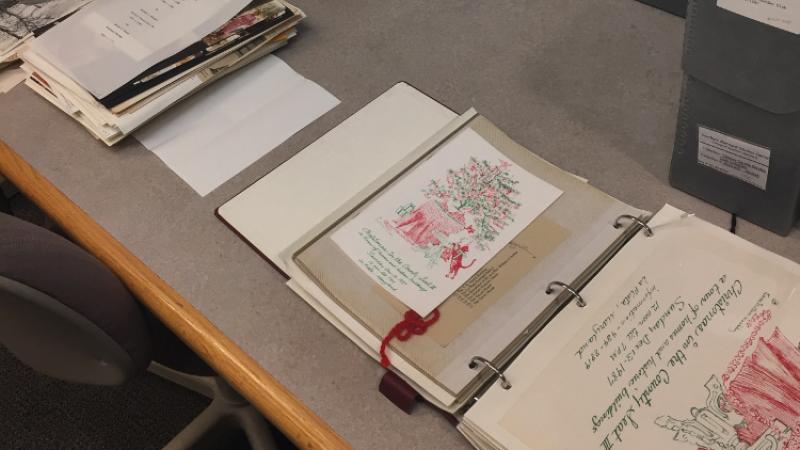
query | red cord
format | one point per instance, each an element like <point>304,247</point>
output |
<point>411,325</point>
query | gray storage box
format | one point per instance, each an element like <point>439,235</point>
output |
<point>676,7</point>
<point>737,143</point>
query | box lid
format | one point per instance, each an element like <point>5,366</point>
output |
<point>744,58</point>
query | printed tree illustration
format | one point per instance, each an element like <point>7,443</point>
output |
<point>18,18</point>
<point>468,207</point>
<point>482,191</point>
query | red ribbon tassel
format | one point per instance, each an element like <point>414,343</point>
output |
<point>411,325</point>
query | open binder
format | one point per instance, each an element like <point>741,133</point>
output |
<point>516,317</point>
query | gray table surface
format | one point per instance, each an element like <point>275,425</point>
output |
<point>590,86</point>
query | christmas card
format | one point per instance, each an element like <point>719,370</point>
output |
<point>428,234</point>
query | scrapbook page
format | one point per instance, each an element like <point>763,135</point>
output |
<point>691,348</point>
<point>493,294</point>
<point>424,237</point>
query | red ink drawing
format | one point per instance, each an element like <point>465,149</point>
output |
<point>755,323</point>
<point>758,409</point>
<point>483,193</point>
<point>455,256</point>
<point>428,224</point>
<point>467,208</point>
<point>767,389</point>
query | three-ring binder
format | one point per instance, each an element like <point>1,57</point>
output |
<point>637,220</point>
<point>568,293</point>
<point>564,286</point>
<point>481,361</point>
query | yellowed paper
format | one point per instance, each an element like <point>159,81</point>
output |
<point>493,281</point>
<point>10,78</point>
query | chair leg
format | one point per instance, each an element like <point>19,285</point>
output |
<point>257,429</point>
<point>248,419</point>
<point>5,206</point>
<point>228,411</point>
<point>6,191</point>
<point>205,386</point>
<point>194,433</point>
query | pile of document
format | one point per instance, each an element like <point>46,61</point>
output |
<point>114,65</point>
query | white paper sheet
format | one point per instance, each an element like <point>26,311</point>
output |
<point>783,14</point>
<point>109,42</point>
<point>9,78</point>
<point>425,236</point>
<point>218,132</point>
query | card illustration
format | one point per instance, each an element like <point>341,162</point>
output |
<point>428,233</point>
<point>757,408</point>
<point>466,209</point>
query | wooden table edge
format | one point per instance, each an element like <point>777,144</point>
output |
<point>266,393</point>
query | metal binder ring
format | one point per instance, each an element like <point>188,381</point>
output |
<point>578,299</point>
<point>647,230</point>
<point>479,360</point>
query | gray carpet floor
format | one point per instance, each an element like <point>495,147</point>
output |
<point>37,412</point>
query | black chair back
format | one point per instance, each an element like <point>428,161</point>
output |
<point>65,314</point>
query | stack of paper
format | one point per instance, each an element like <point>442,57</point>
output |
<point>19,19</point>
<point>114,66</point>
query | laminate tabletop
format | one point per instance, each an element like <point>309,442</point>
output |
<point>592,87</point>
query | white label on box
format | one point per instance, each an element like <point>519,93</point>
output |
<point>734,157</point>
<point>783,14</point>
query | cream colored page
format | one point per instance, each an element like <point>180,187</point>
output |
<point>499,276</point>
<point>681,316</point>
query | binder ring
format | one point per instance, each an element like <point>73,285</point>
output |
<point>647,230</point>
<point>578,299</point>
<point>479,360</point>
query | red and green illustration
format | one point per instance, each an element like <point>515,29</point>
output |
<point>756,406</point>
<point>467,208</point>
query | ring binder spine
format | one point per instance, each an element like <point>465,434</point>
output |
<point>564,298</point>
<point>637,220</point>
<point>564,286</point>
<point>481,361</point>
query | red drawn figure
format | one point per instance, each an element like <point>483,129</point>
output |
<point>454,254</point>
<point>429,222</point>
<point>767,389</point>
<point>758,409</point>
